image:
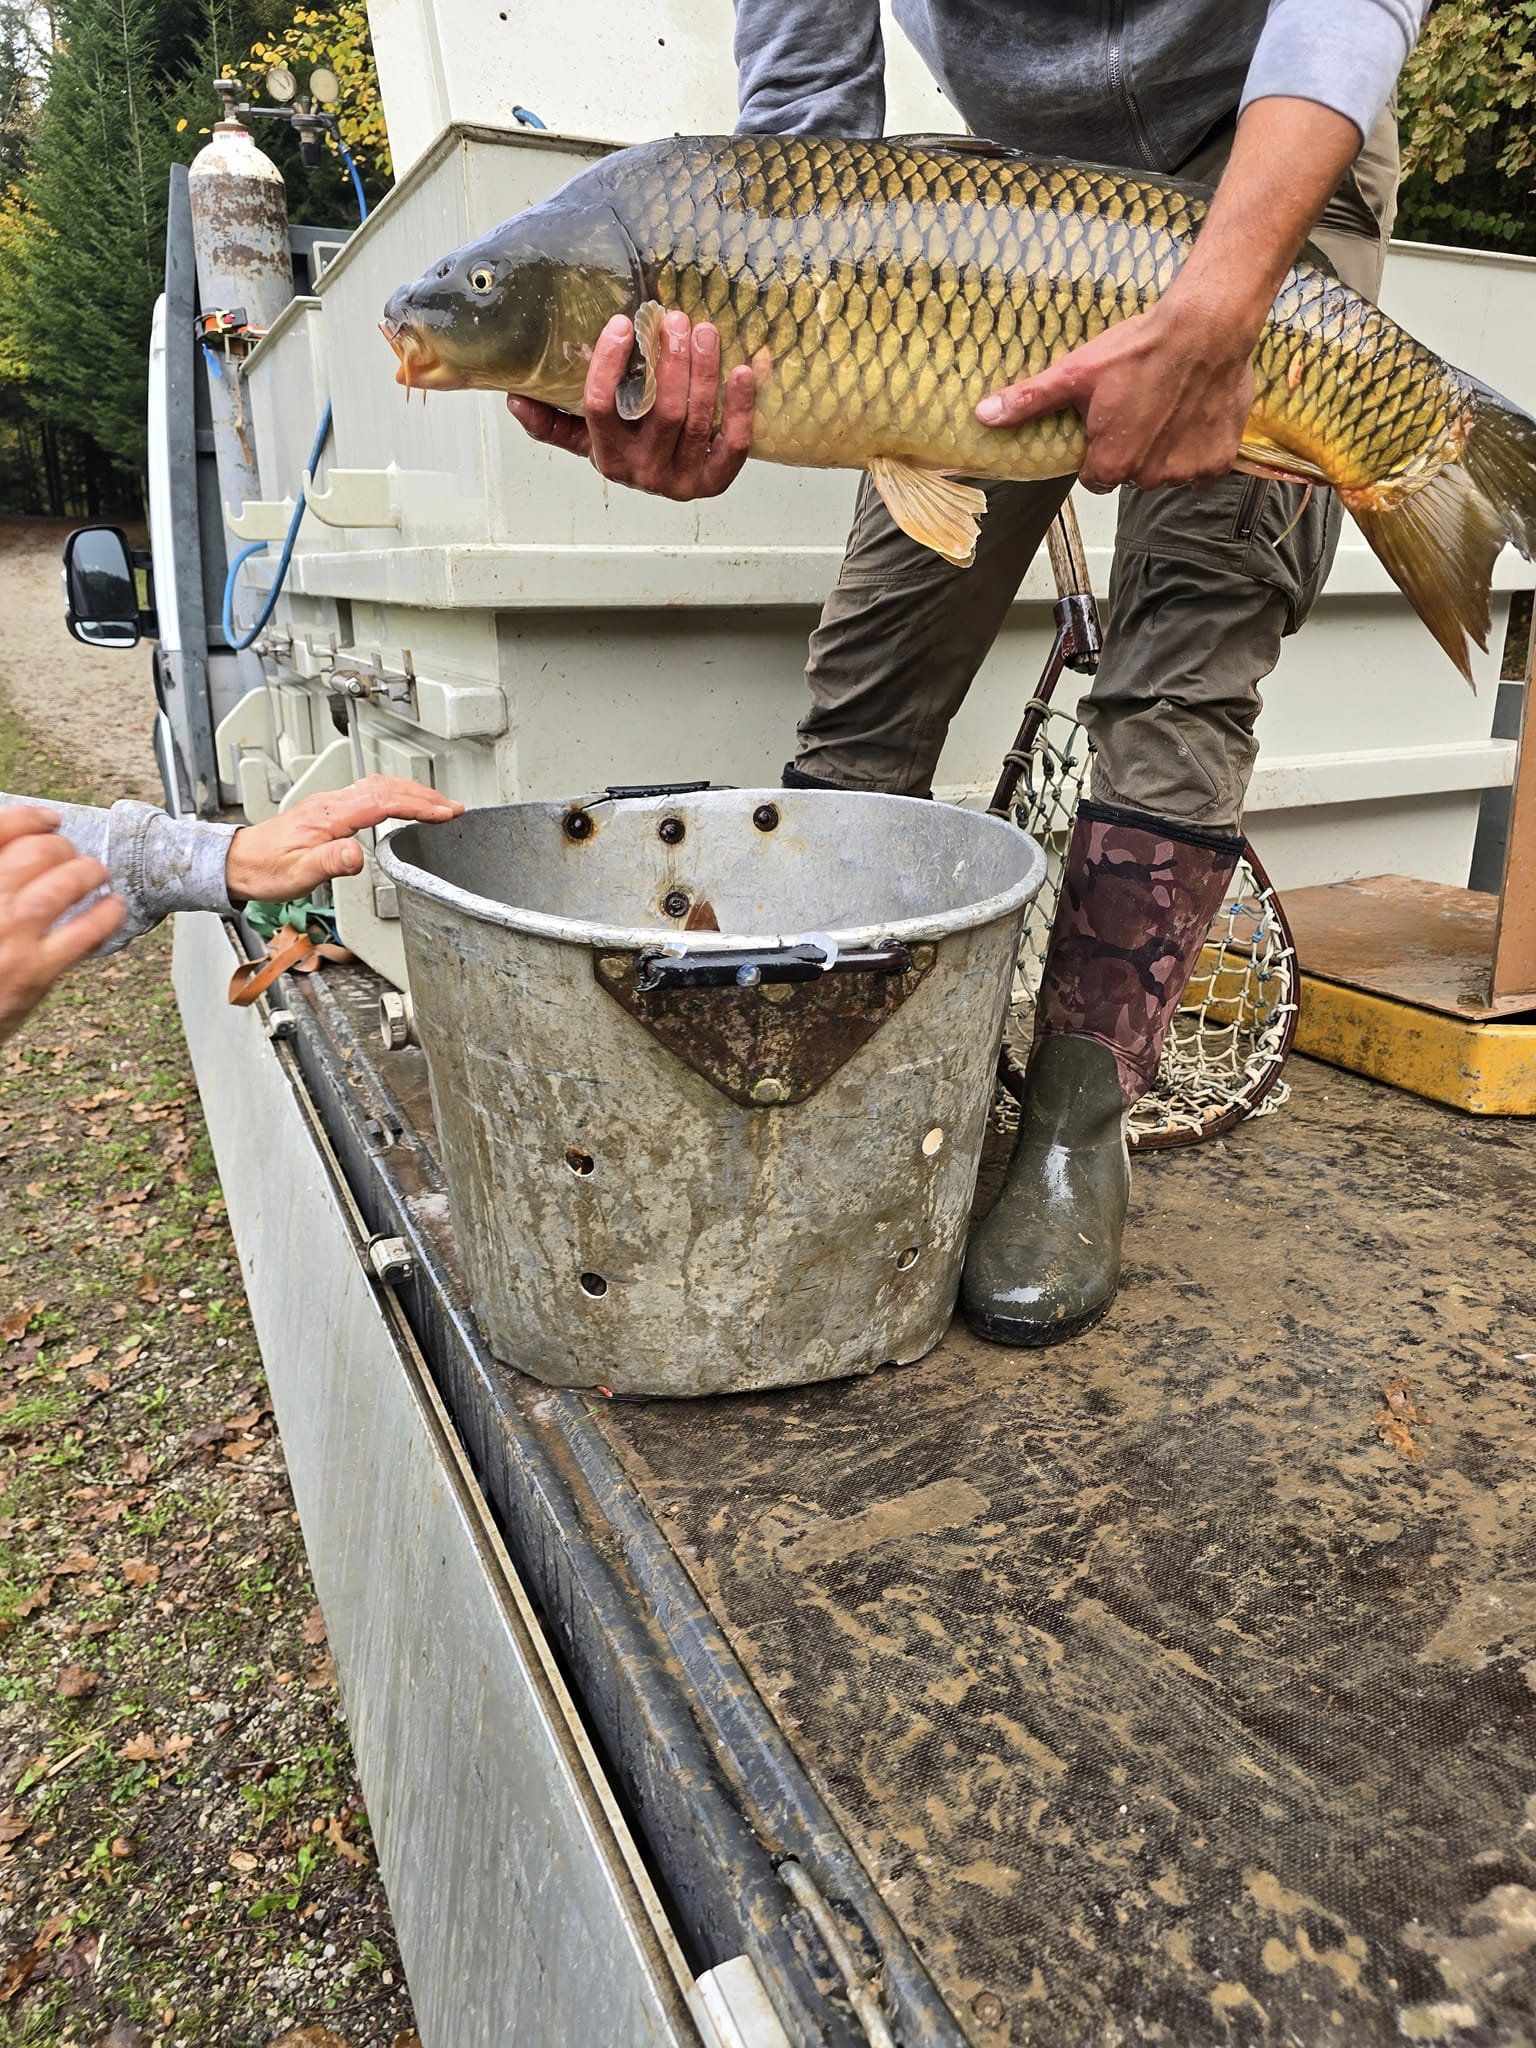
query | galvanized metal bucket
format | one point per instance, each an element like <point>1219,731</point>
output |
<point>711,1070</point>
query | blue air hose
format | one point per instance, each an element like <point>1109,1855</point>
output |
<point>232,635</point>
<point>357,183</point>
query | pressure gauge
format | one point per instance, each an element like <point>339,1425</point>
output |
<point>281,84</point>
<point>324,86</point>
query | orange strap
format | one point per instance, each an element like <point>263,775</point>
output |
<point>252,978</point>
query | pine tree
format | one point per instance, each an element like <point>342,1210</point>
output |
<point>91,256</point>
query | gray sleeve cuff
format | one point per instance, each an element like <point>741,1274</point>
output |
<point>1344,54</point>
<point>810,67</point>
<point>157,863</point>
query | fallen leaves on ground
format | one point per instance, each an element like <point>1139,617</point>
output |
<point>1398,1417</point>
<point>19,1321</point>
<point>127,1367</point>
<point>19,1972</point>
<point>339,1842</point>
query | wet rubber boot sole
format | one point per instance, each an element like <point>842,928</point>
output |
<point>1021,1336</point>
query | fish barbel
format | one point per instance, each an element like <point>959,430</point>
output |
<point>879,289</point>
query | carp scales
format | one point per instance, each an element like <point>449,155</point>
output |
<point>879,289</point>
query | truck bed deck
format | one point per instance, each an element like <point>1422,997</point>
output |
<point>1175,1686</point>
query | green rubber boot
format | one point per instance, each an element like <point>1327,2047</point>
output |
<point>1044,1263</point>
<point>1138,895</point>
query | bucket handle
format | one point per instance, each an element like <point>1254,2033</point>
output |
<point>807,959</point>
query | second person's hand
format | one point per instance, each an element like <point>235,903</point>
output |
<point>674,451</point>
<point>293,853</point>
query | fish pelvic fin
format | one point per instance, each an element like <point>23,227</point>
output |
<point>931,507</point>
<point>637,389</point>
<point>1439,542</point>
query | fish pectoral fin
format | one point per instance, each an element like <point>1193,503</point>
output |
<point>637,390</point>
<point>1257,455</point>
<point>932,507</point>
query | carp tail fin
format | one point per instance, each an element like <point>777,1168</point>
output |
<point>1439,543</point>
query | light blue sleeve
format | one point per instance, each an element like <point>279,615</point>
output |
<point>1344,54</point>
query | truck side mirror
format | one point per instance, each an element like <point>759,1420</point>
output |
<point>100,591</point>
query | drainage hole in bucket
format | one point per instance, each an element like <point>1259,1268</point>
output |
<point>595,1285</point>
<point>934,1141</point>
<point>906,1260</point>
<point>578,1161</point>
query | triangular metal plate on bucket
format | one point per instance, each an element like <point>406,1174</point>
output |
<point>771,1046</point>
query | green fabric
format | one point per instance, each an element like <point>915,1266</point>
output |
<point>302,914</point>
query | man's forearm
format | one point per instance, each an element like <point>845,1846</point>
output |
<point>157,864</point>
<point>1287,159</point>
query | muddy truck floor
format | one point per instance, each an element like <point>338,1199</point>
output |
<point>1177,1685</point>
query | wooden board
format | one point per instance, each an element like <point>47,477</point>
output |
<point>1514,943</point>
<point>1409,941</point>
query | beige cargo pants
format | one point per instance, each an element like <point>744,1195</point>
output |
<point>1205,586</point>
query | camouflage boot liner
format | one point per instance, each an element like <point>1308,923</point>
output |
<point>1137,900</point>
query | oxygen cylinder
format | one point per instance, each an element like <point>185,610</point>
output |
<point>245,277</point>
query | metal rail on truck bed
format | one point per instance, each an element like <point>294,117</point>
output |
<point>1175,1686</point>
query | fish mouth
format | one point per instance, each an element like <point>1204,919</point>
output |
<point>418,366</point>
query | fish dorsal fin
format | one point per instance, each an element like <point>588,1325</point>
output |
<point>931,507</point>
<point>956,145</point>
<point>637,391</point>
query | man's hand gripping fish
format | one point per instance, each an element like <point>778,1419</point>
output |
<point>879,289</point>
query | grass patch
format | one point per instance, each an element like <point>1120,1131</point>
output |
<point>184,1848</point>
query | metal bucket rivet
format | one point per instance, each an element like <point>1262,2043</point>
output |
<point>677,903</point>
<point>577,825</point>
<point>611,967</point>
<point>933,1141</point>
<point>671,831</point>
<point>770,1090</point>
<point>594,1284</point>
<point>766,817</point>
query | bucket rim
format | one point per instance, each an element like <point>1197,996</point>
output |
<point>645,938</point>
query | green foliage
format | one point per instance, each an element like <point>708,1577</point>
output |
<point>79,288</point>
<point>336,36</point>
<point>89,129</point>
<point>1466,115</point>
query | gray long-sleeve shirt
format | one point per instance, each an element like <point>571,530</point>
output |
<point>157,863</point>
<point>1139,83</point>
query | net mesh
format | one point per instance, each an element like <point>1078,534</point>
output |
<point>1222,1057</point>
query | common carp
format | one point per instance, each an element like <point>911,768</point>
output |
<point>879,289</point>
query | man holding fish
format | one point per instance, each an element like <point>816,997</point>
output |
<point>935,312</point>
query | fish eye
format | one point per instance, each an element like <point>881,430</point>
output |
<point>482,277</point>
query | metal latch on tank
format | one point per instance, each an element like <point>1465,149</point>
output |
<point>369,681</point>
<point>765,1025</point>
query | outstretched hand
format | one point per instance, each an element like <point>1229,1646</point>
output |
<point>1164,397</point>
<point>674,451</point>
<point>42,879</point>
<point>290,855</point>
